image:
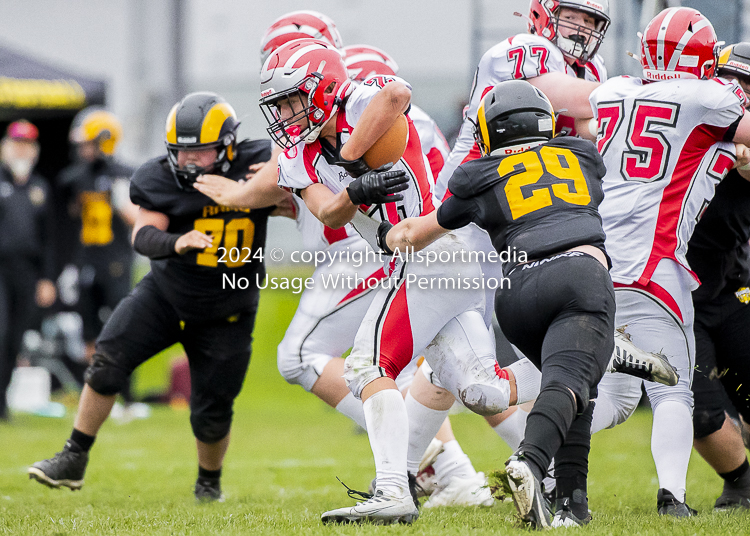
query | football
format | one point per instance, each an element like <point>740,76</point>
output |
<point>390,146</point>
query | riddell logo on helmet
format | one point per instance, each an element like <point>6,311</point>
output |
<point>595,5</point>
<point>665,75</point>
<point>266,92</point>
<point>738,65</point>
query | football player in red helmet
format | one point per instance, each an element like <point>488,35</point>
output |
<point>655,188</point>
<point>298,25</point>
<point>326,123</point>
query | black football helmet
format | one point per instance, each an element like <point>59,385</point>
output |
<point>513,113</point>
<point>735,60</point>
<point>199,121</point>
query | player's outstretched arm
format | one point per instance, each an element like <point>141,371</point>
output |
<point>412,233</point>
<point>258,192</point>
<point>567,93</point>
<point>378,117</point>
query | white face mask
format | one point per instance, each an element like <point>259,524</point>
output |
<point>21,167</point>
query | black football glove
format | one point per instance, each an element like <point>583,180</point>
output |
<point>355,168</point>
<point>378,186</point>
<point>383,229</point>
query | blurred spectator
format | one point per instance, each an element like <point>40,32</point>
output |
<point>26,258</point>
<point>95,189</point>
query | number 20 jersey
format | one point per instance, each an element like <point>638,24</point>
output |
<point>662,144</point>
<point>194,282</point>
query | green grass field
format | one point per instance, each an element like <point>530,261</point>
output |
<point>280,475</point>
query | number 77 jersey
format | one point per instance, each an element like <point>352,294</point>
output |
<point>666,145</point>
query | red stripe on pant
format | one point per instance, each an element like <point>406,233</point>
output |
<point>396,342</point>
<point>657,292</point>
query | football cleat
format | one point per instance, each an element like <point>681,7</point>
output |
<point>527,493</point>
<point>564,516</point>
<point>733,497</point>
<point>207,491</point>
<point>668,505</point>
<point>65,469</point>
<point>627,358</point>
<point>472,491</point>
<point>379,509</point>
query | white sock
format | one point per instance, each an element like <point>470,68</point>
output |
<point>453,462</point>
<point>671,445</point>
<point>388,429</point>
<point>604,413</point>
<point>512,429</point>
<point>528,380</point>
<point>352,408</point>
<point>424,423</point>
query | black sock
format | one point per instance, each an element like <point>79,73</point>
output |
<point>84,441</point>
<point>209,476</point>
<point>739,477</point>
<point>572,463</point>
<point>547,426</point>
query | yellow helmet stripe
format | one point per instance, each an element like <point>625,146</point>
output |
<point>724,55</point>
<point>214,120</point>
<point>482,120</point>
<point>171,127</point>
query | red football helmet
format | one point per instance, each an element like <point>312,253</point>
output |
<point>679,43</point>
<point>364,61</point>
<point>583,42</point>
<point>298,25</point>
<point>309,77</point>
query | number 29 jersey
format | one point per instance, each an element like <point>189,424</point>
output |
<point>195,283</point>
<point>662,144</point>
<point>541,201</point>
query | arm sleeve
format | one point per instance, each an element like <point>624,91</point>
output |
<point>456,212</point>
<point>154,243</point>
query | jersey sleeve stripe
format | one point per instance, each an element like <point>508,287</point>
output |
<point>310,153</point>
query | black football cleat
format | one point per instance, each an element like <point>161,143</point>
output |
<point>668,505</point>
<point>65,469</point>
<point>208,491</point>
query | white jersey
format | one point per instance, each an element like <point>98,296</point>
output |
<point>316,236</point>
<point>305,165</point>
<point>519,57</point>
<point>663,149</point>
<point>434,146</point>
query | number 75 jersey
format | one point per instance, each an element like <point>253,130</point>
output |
<point>663,144</point>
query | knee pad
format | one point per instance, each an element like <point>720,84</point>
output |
<point>211,428</point>
<point>580,391</point>
<point>706,421</point>
<point>105,377</point>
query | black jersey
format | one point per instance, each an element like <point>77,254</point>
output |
<point>101,233</point>
<point>199,283</point>
<point>540,201</point>
<point>718,251</point>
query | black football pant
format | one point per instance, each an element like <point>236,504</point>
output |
<point>560,313</point>
<point>722,359</point>
<point>218,352</point>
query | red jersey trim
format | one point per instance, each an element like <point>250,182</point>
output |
<point>334,235</point>
<point>657,292</point>
<point>673,197</point>
<point>309,153</point>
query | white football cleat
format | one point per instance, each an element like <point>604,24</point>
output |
<point>527,493</point>
<point>627,358</point>
<point>472,491</point>
<point>379,509</point>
